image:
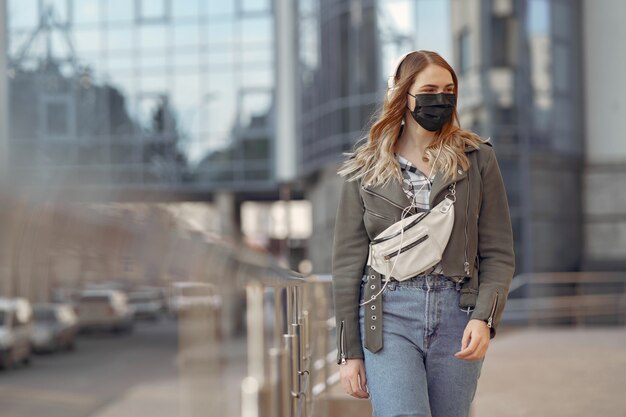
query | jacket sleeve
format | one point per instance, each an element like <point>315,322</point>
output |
<point>349,256</point>
<point>495,247</point>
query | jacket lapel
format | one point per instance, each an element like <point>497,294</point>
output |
<point>394,193</point>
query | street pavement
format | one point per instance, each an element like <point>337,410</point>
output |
<point>537,371</point>
<point>140,374</point>
<point>554,372</point>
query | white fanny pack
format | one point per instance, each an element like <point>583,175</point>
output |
<point>413,244</point>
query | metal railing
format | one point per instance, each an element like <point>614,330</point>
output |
<point>290,325</point>
<point>579,296</point>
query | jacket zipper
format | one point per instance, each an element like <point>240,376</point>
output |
<point>407,247</point>
<point>466,264</point>
<point>382,197</point>
<point>378,215</point>
<point>342,345</point>
<point>493,310</point>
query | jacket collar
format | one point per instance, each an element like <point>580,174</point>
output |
<point>394,192</point>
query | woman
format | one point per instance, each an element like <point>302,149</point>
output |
<point>418,347</point>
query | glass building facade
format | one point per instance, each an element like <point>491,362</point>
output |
<point>141,93</point>
<point>346,50</point>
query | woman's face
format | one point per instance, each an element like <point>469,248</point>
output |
<point>432,80</point>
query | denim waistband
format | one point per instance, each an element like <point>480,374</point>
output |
<point>432,281</point>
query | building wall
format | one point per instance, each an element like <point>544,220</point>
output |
<point>604,199</point>
<point>516,61</point>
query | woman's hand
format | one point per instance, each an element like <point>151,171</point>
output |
<point>477,335</point>
<point>351,372</point>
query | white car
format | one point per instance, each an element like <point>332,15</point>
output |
<point>104,309</point>
<point>16,317</point>
<point>190,295</point>
<point>54,327</point>
<point>148,303</point>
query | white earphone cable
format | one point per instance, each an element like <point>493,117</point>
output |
<point>404,211</point>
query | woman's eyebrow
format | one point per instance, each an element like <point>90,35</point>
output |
<point>435,86</point>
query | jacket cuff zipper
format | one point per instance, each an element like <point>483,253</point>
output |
<point>493,311</point>
<point>342,346</point>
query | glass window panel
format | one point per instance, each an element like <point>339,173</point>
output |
<point>57,119</point>
<point>220,101</point>
<point>253,6</point>
<point>186,34</point>
<point>538,17</point>
<point>60,10</point>
<point>153,9</point>
<point>219,8</point>
<point>126,85</point>
<point>501,41</point>
<point>155,62</point>
<point>23,14</point>
<point>562,67</point>
<point>186,96</point>
<point>464,51</point>
<point>120,10</point>
<point>120,61</point>
<point>184,9</point>
<point>86,11</point>
<point>221,33</point>
<point>17,40</point>
<point>120,39</point>
<point>147,109</point>
<point>86,40</point>
<point>220,58</point>
<point>254,108</point>
<point>563,23</point>
<point>188,58</point>
<point>153,37</point>
<point>257,77</point>
<point>258,56</point>
<point>257,30</point>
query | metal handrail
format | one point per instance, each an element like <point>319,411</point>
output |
<point>288,349</point>
<point>583,297</point>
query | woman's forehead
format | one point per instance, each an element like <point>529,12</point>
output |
<point>435,75</point>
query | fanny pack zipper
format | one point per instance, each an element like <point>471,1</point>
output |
<point>407,227</point>
<point>405,248</point>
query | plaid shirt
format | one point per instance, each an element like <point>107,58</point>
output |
<point>417,187</point>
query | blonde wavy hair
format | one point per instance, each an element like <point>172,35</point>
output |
<point>374,162</point>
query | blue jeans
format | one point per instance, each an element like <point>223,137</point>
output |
<point>416,372</point>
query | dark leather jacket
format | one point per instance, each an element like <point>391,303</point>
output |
<point>480,247</point>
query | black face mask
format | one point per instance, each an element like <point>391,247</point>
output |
<point>432,111</point>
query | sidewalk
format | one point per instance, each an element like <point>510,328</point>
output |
<point>537,372</point>
<point>554,372</point>
<point>530,372</point>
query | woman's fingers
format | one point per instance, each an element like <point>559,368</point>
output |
<point>363,378</point>
<point>357,391</point>
<point>471,349</point>
<point>353,378</point>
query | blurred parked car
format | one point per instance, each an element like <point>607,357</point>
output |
<point>189,295</point>
<point>104,309</point>
<point>54,327</point>
<point>148,303</point>
<point>16,316</point>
